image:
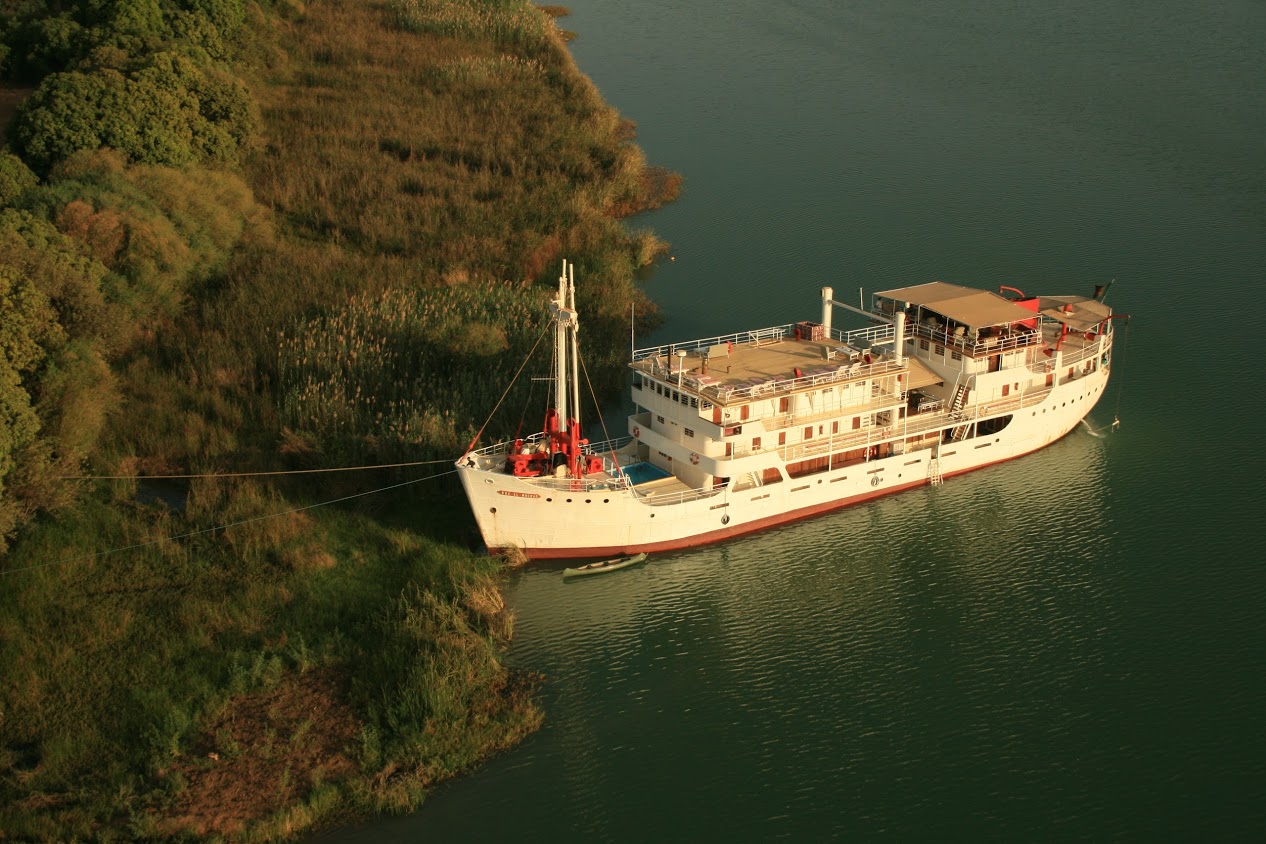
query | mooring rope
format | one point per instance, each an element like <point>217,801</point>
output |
<point>137,545</point>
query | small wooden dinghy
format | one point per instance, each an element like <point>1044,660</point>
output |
<point>605,565</point>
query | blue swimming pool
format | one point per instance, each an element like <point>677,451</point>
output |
<point>640,473</point>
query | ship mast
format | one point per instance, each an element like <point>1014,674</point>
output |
<point>567,370</point>
<point>562,316</point>
<point>575,346</point>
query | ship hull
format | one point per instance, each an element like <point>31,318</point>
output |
<point>553,521</point>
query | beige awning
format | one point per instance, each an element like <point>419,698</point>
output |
<point>920,374</point>
<point>1077,312</point>
<point>964,305</point>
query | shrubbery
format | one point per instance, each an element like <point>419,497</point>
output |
<point>420,184</point>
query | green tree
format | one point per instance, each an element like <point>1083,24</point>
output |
<point>27,321</point>
<point>41,46</point>
<point>16,179</point>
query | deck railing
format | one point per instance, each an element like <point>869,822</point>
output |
<point>660,499</point>
<point>738,338</point>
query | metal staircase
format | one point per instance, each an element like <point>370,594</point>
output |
<point>956,407</point>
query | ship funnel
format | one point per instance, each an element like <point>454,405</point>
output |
<point>828,295</point>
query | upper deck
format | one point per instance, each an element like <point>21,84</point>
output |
<point>736,368</point>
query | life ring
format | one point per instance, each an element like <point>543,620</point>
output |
<point>637,432</point>
<point>725,520</point>
<point>694,458</point>
<point>874,481</point>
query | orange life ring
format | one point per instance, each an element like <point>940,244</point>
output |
<point>637,432</point>
<point>694,458</point>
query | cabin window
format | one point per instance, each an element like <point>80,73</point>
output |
<point>705,405</point>
<point>755,443</point>
<point>661,419</point>
<point>782,437</point>
<point>1006,390</point>
<point>940,350</point>
<point>659,388</point>
<point>676,396</point>
<point>857,423</point>
<point>694,402</point>
<point>808,433</point>
<point>784,404</point>
<point>956,355</point>
<point>690,432</point>
<point>923,344</point>
<point>745,411</point>
<point>835,427</point>
<point>637,380</point>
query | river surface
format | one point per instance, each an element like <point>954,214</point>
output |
<point>1066,646</point>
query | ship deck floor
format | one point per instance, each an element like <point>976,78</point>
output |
<point>770,362</point>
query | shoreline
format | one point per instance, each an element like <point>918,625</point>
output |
<point>253,670</point>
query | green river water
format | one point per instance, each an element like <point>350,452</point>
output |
<point>1066,646</point>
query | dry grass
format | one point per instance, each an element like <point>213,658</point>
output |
<point>420,179</point>
<point>268,748</point>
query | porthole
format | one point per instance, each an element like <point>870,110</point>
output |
<point>606,501</point>
<point>549,499</point>
<point>569,501</point>
<point>492,510</point>
<point>588,500</point>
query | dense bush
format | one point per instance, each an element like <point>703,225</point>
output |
<point>145,77</point>
<point>156,318</point>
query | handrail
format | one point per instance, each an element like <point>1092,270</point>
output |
<point>655,499</point>
<point>871,334</point>
<point>738,338</point>
<point>1003,343</point>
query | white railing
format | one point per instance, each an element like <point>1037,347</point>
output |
<point>660,499</point>
<point>738,338</point>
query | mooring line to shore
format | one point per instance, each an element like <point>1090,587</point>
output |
<point>249,474</point>
<point>214,528</point>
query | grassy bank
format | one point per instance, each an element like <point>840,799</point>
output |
<point>180,660</point>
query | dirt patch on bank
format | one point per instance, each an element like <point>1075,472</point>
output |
<point>10,99</point>
<point>266,752</point>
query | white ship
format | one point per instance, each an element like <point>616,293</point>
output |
<point>740,432</point>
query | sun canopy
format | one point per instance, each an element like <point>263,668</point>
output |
<point>964,305</point>
<point>1077,312</point>
<point>920,374</point>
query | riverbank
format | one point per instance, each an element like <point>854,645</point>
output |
<point>278,653</point>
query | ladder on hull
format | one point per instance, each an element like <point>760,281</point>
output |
<point>934,471</point>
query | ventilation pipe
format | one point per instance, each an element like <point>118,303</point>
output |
<point>828,295</point>
<point>899,337</point>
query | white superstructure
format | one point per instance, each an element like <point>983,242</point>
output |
<point>740,432</point>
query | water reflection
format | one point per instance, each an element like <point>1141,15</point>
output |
<point>788,676</point>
